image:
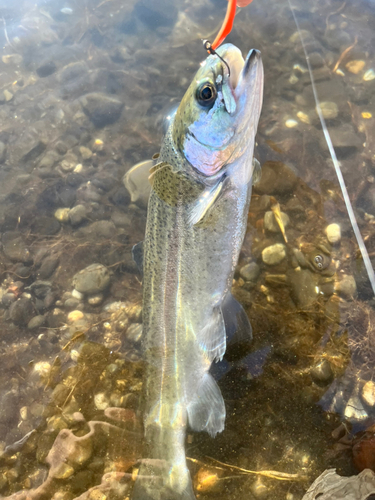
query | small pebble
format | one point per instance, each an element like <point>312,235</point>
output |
<point>71,303</point>
<point>62,214</point>
<point>303,117</point>
<point>369,75</point>
<point>250,272</point>
<point>322,372</point>
<point>8,299</point>
<point>368,393</point>
<point>62,471</point>
<point>355,66</point>
<point>86,153</point>
<point>8,95</point>
<point>270,223</point>
<point>96,300</point>
<point>329,110</point>
<point>98,145</point>
<point>36,322</point>
<point>101,401</point>
<point>346,287</point>
<point>77,215</point>
<point>77,295</point>
<point>74,316</point>
<point>333,232</point>
<point>291,123</point>
<point>274,254</point>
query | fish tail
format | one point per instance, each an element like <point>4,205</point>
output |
<point>164,475</point>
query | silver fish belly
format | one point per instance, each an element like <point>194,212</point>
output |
<point>188,266</point>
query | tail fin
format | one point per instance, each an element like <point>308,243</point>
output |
<point>154,483</point>
<point>163,475</point>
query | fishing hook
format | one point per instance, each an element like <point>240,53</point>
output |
<point>207,45</point>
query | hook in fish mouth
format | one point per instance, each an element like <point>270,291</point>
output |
<point>207,45</point>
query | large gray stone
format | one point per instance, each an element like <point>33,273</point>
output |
<point>101,109</point>
<point>93,279</point>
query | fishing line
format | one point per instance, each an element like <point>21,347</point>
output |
<point>349,208</point>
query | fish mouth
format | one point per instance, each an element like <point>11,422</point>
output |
<point>244,73</point>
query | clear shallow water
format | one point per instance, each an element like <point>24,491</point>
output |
<point>84,93</point>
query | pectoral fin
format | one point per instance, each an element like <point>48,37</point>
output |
<point>200,207</point>
<point>137,254</point>
<point>206,412</point>
<point>238,329</point>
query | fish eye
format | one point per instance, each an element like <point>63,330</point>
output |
<point>206,94</point>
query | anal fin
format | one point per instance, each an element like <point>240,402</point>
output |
<point>212,338</point>
<point>238,329</point>
<point>206,412</point>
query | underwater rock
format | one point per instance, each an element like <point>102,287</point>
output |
<point>157,14</point>
<point>274,254</point>
<point>48,267</point>
<point>322,372</point>
<point>270,223</point>
<point>56,318</point>
<point>250,272</point>
<point>93,279</point>
<point>46,226</point>
<point>21,311</point>
<point>277,178</point>
<point>86,153</point>
<point>77,215</point>
<point>303,284</point>
<point>316,60</point>
<point>46,68</point>
<point>69,162</point>
<point>74,79</point>
<point>344,139</point>
<point>368,393</point>
<point>333,232</point>
<point>346,287</point>
<point>8,407</point>
<point>71,303</point>
<point>96,300</point>
<point>28,148</point>
<point>329,110</point>
<point>40,288</point>
<point>62,214</point>
<point>100,229</point>
<point>101,109</point>
<point>36,322</point>
<point>14,247</point>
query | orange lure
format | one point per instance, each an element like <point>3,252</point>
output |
<point>226,28</point>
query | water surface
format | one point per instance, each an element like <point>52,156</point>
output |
<point>85,87</point>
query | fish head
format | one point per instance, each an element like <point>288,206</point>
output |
<point>216,122</point>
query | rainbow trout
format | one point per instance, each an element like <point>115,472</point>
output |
<point>196,222</point>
